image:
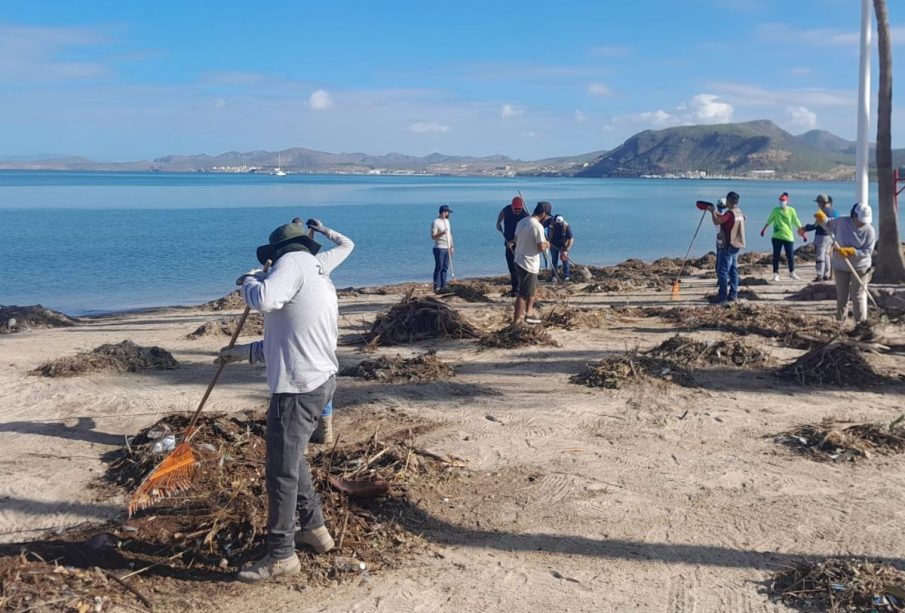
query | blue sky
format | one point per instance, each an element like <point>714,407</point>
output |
<point>137,80</point>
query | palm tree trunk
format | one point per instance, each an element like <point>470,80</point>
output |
<point>890,262</point>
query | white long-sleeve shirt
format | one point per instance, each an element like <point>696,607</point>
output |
<point>300,311</point>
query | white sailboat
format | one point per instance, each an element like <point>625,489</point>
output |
<point>279,172</point>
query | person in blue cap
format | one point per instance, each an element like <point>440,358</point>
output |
<point>441,233</point>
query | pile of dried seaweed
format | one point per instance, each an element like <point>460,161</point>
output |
<point>840,584</point>
<point>36,585</point>
<point>658,274</point>
<point>118,357</point>
<point>814,291</point>
<point>563,316</point>
<point>414,319</point>
<point>254,326</point>
<point>16,319</point>
<point>473,291</point>
<point>513,336</point>
<point>832,440</point>
<point>743,294</point>
<point>219,523</point>
<point>421,368</point>
<point>690,354</point>
<point>604,287</point>
<point>838,362</point>
<point>790,328</point>
<point>230,302</point>
<point>754,258</point>
<point>631,367</point>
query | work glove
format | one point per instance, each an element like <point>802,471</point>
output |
<point>236,353</point>
<point>317,226</point>
<point>845,252</point>
<point>821,217</point>
<point>257,273</point>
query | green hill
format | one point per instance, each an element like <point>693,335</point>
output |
<point>726,149</point>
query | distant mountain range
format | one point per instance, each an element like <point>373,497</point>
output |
<point>750,149</point>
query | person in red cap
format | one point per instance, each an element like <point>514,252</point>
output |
<point>506,222</point>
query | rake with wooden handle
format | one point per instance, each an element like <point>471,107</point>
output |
<point>174,474</point>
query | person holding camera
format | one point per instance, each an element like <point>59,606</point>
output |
<point>729,241</point>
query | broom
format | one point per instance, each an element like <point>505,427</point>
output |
<point>174,474</point>
<point>704,206</point>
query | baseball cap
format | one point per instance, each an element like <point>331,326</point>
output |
<point>862,213</point>
<point>784,196</point>
<point>824,198</point>
<point>543,207</point>
<point>559,220</point>
<point>445,208</point>
<point>518,203</point>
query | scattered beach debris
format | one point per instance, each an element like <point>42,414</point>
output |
<point>219,523</point>
<point>790,328</point>
<point>472,291</point>
<point>118,357</point>
<point>834,440</point>
<point>254,326</point>
<point>705,262</point>
<point>20,318</point>
<point>743,294</point>
<point>753,281</point>
<point>891,300</point>
<point>837,362</point>
<point>690,354</point>
<point>230,302</point>
<point>806,253</point>
<point>421,369</point>
<point>636,273</point>
<point>563,316</point>
<point>631,367</point>
<point>754,258</point>
<point>604,287</point>
<point>840,584</point>
<point>414,319</point>
<point>815,291</point>
<point>511,337</point>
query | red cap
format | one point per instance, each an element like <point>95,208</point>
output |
<point>518,203</point>
<point>784,196</point>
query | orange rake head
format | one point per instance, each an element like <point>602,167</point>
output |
<point>675,289</point>
<point>173,475</point>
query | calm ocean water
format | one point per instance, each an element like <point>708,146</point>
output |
<point>97,242</point>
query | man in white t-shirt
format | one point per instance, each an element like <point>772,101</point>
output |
<point>530,243</point>
<point>441,233</point>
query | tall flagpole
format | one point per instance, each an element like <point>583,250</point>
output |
<point>862,156</point>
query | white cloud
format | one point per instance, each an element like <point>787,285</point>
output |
<point>422,127</point>
<point>320,100</point>
<point>599,89</point>
<point>799,118</point>
<point>39,54</point>
<point>822,37</point>
<point>508,111</point>
<point>580,117</point>
<point>752,95</point>
<point>701,109</point>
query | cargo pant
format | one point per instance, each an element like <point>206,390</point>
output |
<point>823,251</point>
<point>291,418</point>
<point>847,286</point>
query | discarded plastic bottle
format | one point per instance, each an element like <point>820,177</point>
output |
<point>349,565</point>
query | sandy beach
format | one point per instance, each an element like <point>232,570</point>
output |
<point>651,497</point>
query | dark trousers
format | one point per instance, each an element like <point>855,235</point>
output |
<point>510,263</point>
<point>778,247</point>
<point>291,418</point>
<point>441,265</point>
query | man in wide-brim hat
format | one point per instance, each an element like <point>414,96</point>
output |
<point>300,309</point>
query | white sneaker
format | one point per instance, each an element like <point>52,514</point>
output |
<point>775,276</point>
<point>794,276</point>
<point>268,568</point>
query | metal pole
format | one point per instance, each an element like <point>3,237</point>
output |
<point>862,156</point>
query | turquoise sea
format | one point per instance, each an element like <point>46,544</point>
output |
<point>97,242</point>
